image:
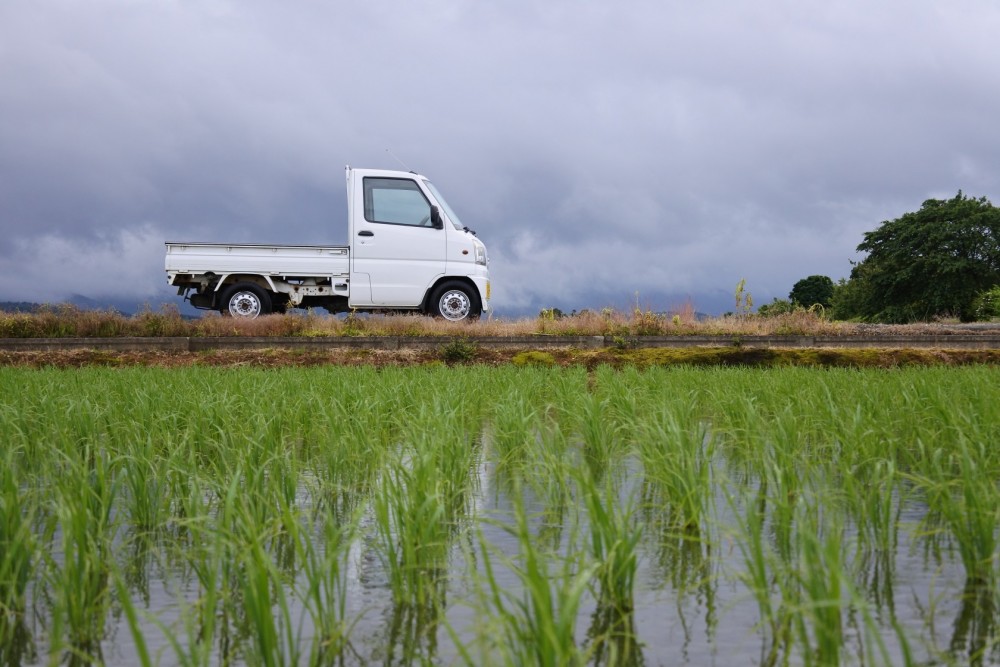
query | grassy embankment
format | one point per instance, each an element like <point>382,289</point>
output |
<point>622,332</point>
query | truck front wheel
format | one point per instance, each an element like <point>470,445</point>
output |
<point>455,301</point>
<point>246,301</point>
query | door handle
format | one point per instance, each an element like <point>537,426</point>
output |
<point>366,233</point>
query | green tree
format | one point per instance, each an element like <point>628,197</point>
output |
<point>926,264</point>
<point>775,308</point>
<point>812,290</point>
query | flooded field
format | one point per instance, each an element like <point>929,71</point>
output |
<point>479,515</point>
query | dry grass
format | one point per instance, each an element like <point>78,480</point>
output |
<point>66,321</point>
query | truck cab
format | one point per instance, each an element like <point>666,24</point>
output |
<point>406,242</point>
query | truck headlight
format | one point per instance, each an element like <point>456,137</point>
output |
<point>480,254</point>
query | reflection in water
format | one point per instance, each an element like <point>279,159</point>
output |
<point>876,570</point>
<point>975,631</point>
<point>682,556</point>
<point>411,635</point>
<point>613,639</point>
<point>16,644</point>
<point>138,565</point>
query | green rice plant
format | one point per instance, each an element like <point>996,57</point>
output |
<point>536,623</point>
<point>874,497</point>
<point>273,641</point>
<point>546,474</point>
<point>513,431</point>
<point>564,389</point>
<point>968,505</point>
<point>974,638</point>
<point>132,618</point>
<point>614,540</point>
<point>146,492</point>
<point>18,558</point>
<point>601,439</point>
<point>78,573</point>
<point>414,532</point>
<point>614,548</point>
<point>820,588</point>
<point>206,620</point>
<point>323,588</point>
<point>676,452</point>
<point>760,577</point>
<point>825,593</point>
<point>418,505</point>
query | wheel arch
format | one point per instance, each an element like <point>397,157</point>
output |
<point>425,305</point>
<point>258,279</point>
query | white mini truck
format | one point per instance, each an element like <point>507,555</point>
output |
<point>408,251</point>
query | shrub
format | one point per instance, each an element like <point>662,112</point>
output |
<point>987,304</point>
<point>460,350</point>
<point>776,307</point>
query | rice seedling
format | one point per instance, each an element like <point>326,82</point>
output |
<point>967,503</point>
<point>414,531</point>
<point>419,505</point>
<point>545,473</point>
<point>265,605</point>
<point>602,444</point>
<point>614,549</point>
<point>78,570</point>
<point>323,589</point>
<point>676,454</point>
<point>513,432</point>
<point>18,558</point>
<point>145,491</point>
<point>535,623</point>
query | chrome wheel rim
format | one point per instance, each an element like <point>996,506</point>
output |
<point>244,304</point>
<point>454,305</point>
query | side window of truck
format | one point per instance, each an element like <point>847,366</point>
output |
<point>396,201</point>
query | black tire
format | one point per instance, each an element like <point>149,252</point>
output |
<point>455,301</point>
<point>246,301</point>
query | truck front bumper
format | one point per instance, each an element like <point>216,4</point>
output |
<point>483,285</point>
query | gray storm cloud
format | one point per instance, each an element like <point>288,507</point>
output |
<point>600,149</point>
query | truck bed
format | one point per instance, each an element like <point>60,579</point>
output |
<point>275,260</point>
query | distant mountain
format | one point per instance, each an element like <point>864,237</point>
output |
<point>704,304</point>
<point>130,305</point>
<point>123,305</point>
<point>19,306</point>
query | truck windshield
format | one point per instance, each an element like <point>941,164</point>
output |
<point>447,209</point>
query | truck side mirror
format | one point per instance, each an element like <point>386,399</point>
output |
<point>436,221</point>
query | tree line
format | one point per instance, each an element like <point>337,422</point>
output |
<point>942,261</point>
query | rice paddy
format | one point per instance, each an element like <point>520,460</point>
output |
<point>507,516</point>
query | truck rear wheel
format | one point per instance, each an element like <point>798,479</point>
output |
<point>246,301</point>
<point>455,301</point>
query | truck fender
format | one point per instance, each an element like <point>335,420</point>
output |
<point>225,276</point>
<point>425,305</point>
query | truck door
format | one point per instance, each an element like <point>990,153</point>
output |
<point>395,243</point>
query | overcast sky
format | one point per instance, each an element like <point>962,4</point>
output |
<point>600,149</point>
